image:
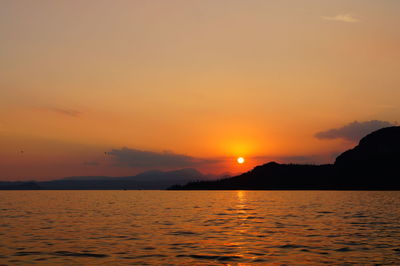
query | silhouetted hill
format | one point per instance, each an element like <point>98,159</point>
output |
<point>380,148</point>
<point>156,175</point>
<point>374,164</point>
<point>153,175</point>
<point>147,180</point>
<point>19,185</point>
<point>272,176</point>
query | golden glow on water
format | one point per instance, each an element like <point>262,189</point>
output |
<point>199,227</point>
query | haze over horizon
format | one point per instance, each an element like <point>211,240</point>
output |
<point>118,88</point>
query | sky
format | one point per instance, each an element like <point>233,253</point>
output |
<point>120,87</point>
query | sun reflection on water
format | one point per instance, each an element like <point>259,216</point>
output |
<point>199,228</point>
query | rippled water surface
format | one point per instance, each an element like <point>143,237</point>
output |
<point>199,227</point>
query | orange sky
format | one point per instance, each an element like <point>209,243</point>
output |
<point>211,80</point>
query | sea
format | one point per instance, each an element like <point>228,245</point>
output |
<point>199,227</point>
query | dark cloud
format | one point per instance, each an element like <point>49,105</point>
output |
<point>62,111</point>
<point>353,131</point>
<point>149,159</point>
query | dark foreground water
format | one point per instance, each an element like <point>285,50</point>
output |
<point>199,227</point>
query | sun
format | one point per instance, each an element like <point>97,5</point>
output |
<point>240,160</point>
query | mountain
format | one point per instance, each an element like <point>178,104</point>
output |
<point>147,180</point>
<point>373,164</point>
<point>181,175</point>
<point>271,176</point>
<point>380,150</point>
<point>153,175</point>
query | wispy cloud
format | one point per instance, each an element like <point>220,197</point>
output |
<point>91,163</point>
<point>149,159</point>
<point>349,18</point>
<point>61,111</point>
<point>353,131</point>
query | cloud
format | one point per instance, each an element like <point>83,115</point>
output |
<point>148,159</point>
<point>343,18</point>
<point>61,111</point>
<point>353,131</point>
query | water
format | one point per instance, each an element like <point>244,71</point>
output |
<point>199,227</point>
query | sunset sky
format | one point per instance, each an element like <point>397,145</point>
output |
<point>120,87</point>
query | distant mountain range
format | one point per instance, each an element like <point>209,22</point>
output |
<point>147,180</point>
<point>374,164</point>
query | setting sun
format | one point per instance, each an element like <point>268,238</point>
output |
<point>240,160</point>
<point>229,129</point>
